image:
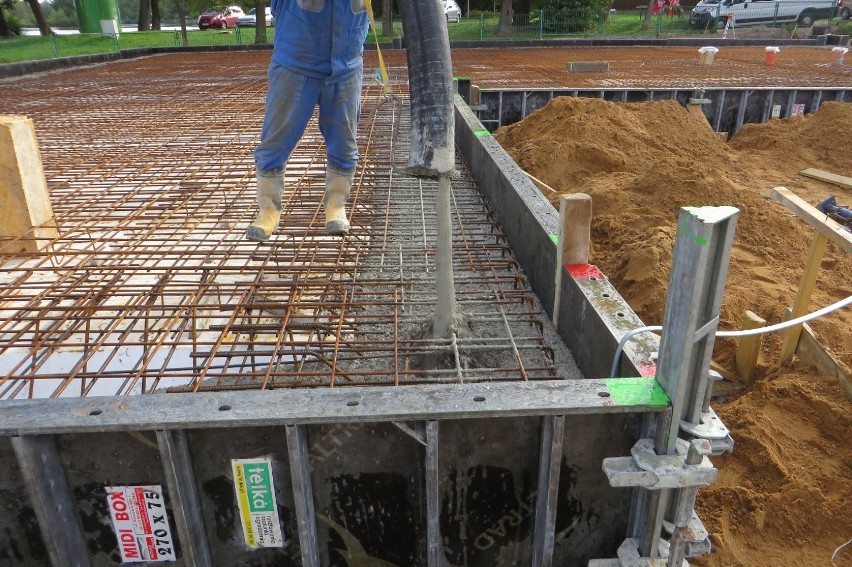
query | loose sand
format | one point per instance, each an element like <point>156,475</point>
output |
<point>784,497</point>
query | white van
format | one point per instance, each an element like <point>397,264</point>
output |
<point>712,14</point>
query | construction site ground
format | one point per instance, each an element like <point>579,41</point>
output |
<point>783,496</point>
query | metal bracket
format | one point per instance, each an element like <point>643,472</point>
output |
<point>628,556</point>
<point>710,427</point>
<point>649,470</point>
<point>418,433</point>
<point>698,540</point>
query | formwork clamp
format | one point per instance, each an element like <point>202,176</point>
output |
<point>628,556</point>
<point>709,425</point>
<point>646,469</point>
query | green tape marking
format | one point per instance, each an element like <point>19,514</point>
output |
<point>637,392</point>
<point>481,133</point>
<point>700,240</point>
<point>554,238</point>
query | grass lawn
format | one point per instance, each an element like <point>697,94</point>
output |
<point>620,24</point>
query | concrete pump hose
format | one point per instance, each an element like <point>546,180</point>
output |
<point>430,85</point>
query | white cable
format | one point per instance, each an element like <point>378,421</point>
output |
<point>744,333</point>
<point>791,323</point>
<point>836,551</point>
<point>627,336</point>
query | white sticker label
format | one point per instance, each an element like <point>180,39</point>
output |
<point>141,524</point>
<point>256,498</point>
<point>776,111</point>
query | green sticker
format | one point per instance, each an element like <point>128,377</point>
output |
<point>481,133</point>
<point>637,392</point>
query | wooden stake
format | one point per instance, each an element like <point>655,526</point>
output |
<point>25,212</point>
<point>575,229</point>
<point>803,297</point>
<point>749,347</point>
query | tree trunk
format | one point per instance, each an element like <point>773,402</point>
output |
<point>260,21</point>
<point>182,18</point>
<point>5,30</point>
<point>155,15</point>
<point>649,13</point>
<point>507,14</point>
<point>43,26</point>
<point>144,13</point>
<point>387,18</point>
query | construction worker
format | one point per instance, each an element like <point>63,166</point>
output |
<point>317,59</point>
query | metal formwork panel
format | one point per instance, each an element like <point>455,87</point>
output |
<point>727,111</point>
<point>20,538</point>
<point>367,481</point>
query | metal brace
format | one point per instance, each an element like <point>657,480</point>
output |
<point>698,540</point>
<point>649,470</point>
<point>710,427</point>
<point>628,556</point>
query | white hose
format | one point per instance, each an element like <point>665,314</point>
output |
<point>744,333</point>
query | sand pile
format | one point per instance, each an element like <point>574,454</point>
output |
<point>641,162</point>
<point>783,497</point>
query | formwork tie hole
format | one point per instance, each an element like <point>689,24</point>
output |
<point>619,314</point>
<point>603,394</point>
<point>604,295</point>
<point>95,412</point>
<point>224,408</point>
<point>479,398</point>
<point>352,404</point>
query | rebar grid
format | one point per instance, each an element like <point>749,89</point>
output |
<point>645,67</point>
<point>151,286</point>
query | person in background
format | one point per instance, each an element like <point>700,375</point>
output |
<point>317,59</point>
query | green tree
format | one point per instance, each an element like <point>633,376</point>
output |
<point>61,13</point>
<point>6,6</point>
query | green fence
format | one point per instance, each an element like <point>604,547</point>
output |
<point>539,25</point>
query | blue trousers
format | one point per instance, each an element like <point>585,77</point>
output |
<point>290,103</point>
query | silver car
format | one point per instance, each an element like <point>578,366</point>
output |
<point>250,19</point>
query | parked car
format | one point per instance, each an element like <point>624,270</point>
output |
<point>844,9</point>
<point>250,19</point>
<point>452,10</point>
<point>222,18</point>
<point>206,16</point>
<point>713,13</point>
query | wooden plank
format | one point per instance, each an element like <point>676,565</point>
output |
<point>826,226</point>
<point>748,349</point>
<point>803,296</point>
<point>697,111</point>
<point>25,212</point>
<point>827,177</point>
<point>810,351</point>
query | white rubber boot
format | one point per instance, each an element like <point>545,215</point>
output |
<point>336,192</point>
<point>269,190</point>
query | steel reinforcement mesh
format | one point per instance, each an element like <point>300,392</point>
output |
<point>151,286</point>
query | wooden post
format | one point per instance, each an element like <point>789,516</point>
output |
<point>575,228</point>
<point>826,229</point>
<point>25,212</point>
<point>749,347</point>
<point>803,297</point>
